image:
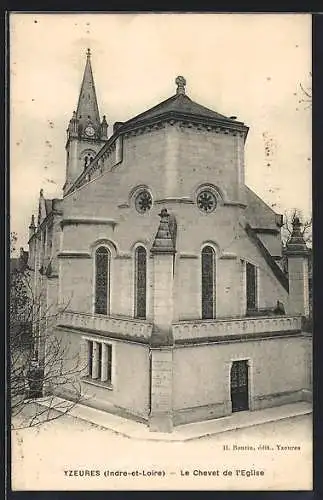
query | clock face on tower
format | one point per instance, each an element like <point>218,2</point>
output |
<point>89,130</point>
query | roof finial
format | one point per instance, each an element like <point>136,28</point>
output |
<point>180,82</point>
<point>88,53</point>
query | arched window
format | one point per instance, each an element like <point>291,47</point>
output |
<point>140,282</point>
<point>102,280</point>
<point>208,283</point>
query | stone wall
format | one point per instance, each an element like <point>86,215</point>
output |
<point>201,376</point>
<point>130,390</point>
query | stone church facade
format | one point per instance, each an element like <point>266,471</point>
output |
<point>165,268</point>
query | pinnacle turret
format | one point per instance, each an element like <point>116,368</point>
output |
<point>296,244</point>
<point>164,242</point>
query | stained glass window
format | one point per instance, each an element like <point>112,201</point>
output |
<point>140,282</point>
<point>251,286</point>
<point>206,201</point>
<point>208,283</point>
<point>143,201</point>
<point>102,278</point>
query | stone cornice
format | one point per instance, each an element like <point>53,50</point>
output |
<point>184,120</point>
<point>101,334</point>
<point>183,200</point>
<point>297,253</point>
<point>87,221</point>
<point>234,204</point>
<point>228,256</point>
<point>225,339</point>
<point>74,255</point>
<point>266,230</point>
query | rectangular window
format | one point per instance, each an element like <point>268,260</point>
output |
<point>99,361</point>
<point>251,286</point>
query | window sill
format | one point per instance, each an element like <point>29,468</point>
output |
<point>97,383</point>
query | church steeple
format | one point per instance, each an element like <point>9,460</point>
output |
<point>86,134</point>
<point>87,112</point>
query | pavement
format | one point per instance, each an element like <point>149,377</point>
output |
<point>181,433</point>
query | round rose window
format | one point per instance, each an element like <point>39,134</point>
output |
<point>143,201</point>
<point>206,201</point>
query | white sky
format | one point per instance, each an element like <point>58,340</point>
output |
<point>247,65</point>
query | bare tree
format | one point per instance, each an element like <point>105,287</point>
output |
<point>42,364</point>
<point>287,228</point>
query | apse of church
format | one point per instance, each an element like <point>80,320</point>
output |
<point>166,266</point>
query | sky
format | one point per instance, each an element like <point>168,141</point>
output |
<point>247,65</point>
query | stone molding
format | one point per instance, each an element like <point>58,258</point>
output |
<point>117,327</point>
<point>228,339</point>
<point>188,256</point>
<point>87,221</point>
<point>228,256</point>
<point>74,255</point>
<point>184,121</point>
<point>184,200</point>
<point>238,328</point>
<point>265,230</point>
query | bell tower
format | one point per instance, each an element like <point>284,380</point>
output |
<point>86,133</point>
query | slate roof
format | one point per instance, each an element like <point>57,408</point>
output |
<point>179,104</point>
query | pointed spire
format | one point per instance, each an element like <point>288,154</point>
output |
<point>163,242</point>
<point>87,108</point>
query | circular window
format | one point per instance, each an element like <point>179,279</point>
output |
<point>206,201</point>
<point>143,201</point>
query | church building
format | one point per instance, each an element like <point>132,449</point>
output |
<point>165,268</point>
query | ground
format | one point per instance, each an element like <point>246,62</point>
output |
<point>61,455</point>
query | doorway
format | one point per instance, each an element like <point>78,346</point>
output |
<point>239,386</point>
